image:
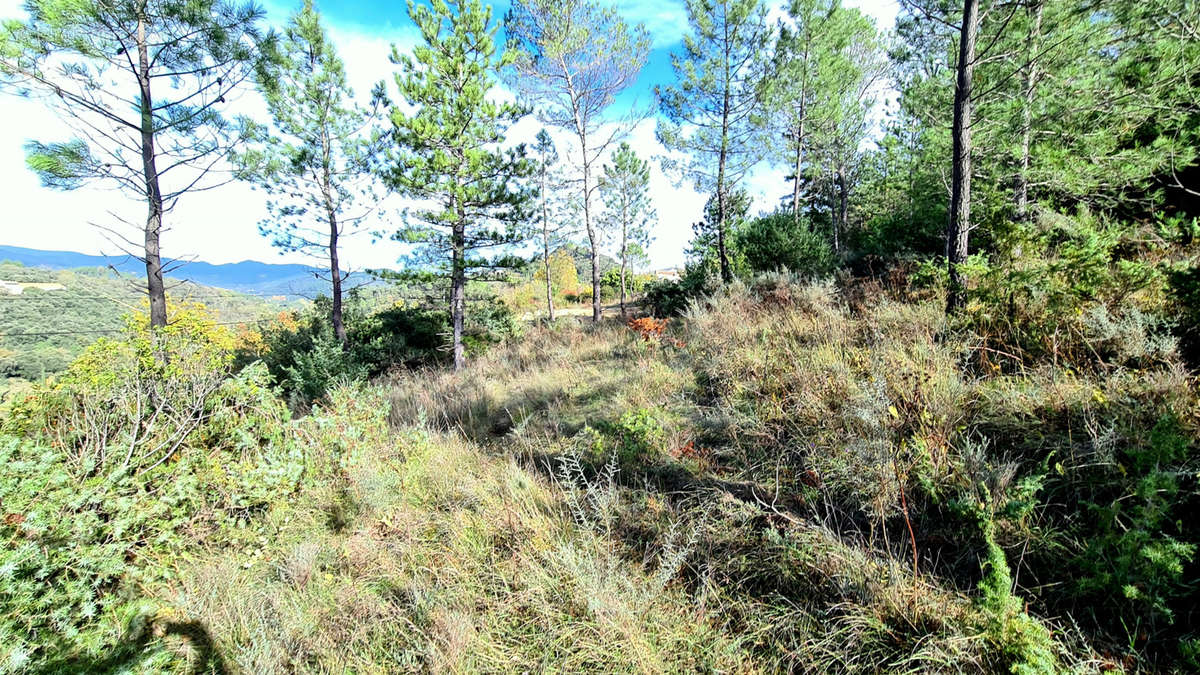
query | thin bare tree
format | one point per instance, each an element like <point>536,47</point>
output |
<point>572,58</point>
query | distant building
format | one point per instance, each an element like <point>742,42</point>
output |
<point>669,274</point>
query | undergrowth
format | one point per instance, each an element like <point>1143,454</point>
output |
<point>788,477</point>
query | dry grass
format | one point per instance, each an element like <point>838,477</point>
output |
<point>449,561</point>
<point>799,455</point>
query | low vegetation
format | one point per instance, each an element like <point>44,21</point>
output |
<point>826,484</point>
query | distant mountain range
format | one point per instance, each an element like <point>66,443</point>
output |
<point>248,276</point>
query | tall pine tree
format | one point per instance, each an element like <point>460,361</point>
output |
<point>625,189</point>
<point>141,84</point>
<point>572,57</point>
<point>449,153</point>
<point>714,111</point>
<point>316,159</point>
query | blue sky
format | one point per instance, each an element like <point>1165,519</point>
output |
<point>221,225</point>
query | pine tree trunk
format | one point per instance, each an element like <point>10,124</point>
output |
<point>843,208</point>
<point>1021,190</point>
<point>549,287</point>
<point>591,231</point>
<point>546,249</point>
<point>624,256</point>
<point>798,168</point>
<point>335,276</point>
<point>155,288</point>
<point>722,253</point>
<point>800,138</point>
<point>335,272</point>
<point>959,227</point>
<point>458,288</point>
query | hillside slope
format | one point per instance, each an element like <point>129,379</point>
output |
<point>58,313</point>
<point>781,481</point>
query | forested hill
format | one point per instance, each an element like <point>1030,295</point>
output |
<point>47,317</point>
<point>247,276</point>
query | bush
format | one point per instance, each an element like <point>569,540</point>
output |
<point>665,298</point>
<point>1185,297</point>
<point>610,283</point>
<point>1081,288</point>
<point>144,446</point>
<point>488,323</point>
<point>1138,547</point>
<point>581,296</point>
<point>305,360</point>
<point>639,435</point>
<point>777,241</point>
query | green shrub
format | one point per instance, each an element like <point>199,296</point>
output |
<point>610,282</point>
<point>665,298</point>
<point>1185,296</point>
<point>488,323</point>
<point>314,371</point>
<point>1024,641</point>
<point>639,435</point>
<point>143,447</point>
<point>401,335</point>
<point>305,360</point>
<point>1082,288</point>
<point>1137,549</point>
<point>777,241</point>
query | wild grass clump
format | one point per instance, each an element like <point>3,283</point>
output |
<point>787,409</point>
<point>452,561</point>
<point>879,421</point>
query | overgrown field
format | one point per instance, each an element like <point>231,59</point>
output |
<point>790,477</point>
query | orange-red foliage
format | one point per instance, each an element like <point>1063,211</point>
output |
<point>648,327</point>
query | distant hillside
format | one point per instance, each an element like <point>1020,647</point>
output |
<point>248,276</point>
<point>47,317</point>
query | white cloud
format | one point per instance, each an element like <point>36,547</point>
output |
<point>220,225</point>
<point>883,11</point>
<point>666,21</point>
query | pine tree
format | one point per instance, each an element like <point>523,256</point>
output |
<point>714,110</point>
<point>572,58</point>
<point>819,95</point>
<point>141,85</point>
<point>808,55</point>
<point>316,159</point>
<point>625,189</point>
<point>449,156</point>
<point>552,227</point>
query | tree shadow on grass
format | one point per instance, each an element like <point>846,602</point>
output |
<point>203,655</point>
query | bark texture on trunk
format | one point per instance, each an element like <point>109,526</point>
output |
<point>335,276</point>
<point>843,209</point>
<point>593,244</point>
<point>798,168</point>
<point>155,289</point>
<point>959,227</point>
<point>549,286</point>
<point>335,271</point>
<point>800,139</point>
<point>722,212</point>
<point>458,288</point>
<point>624,256</point>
